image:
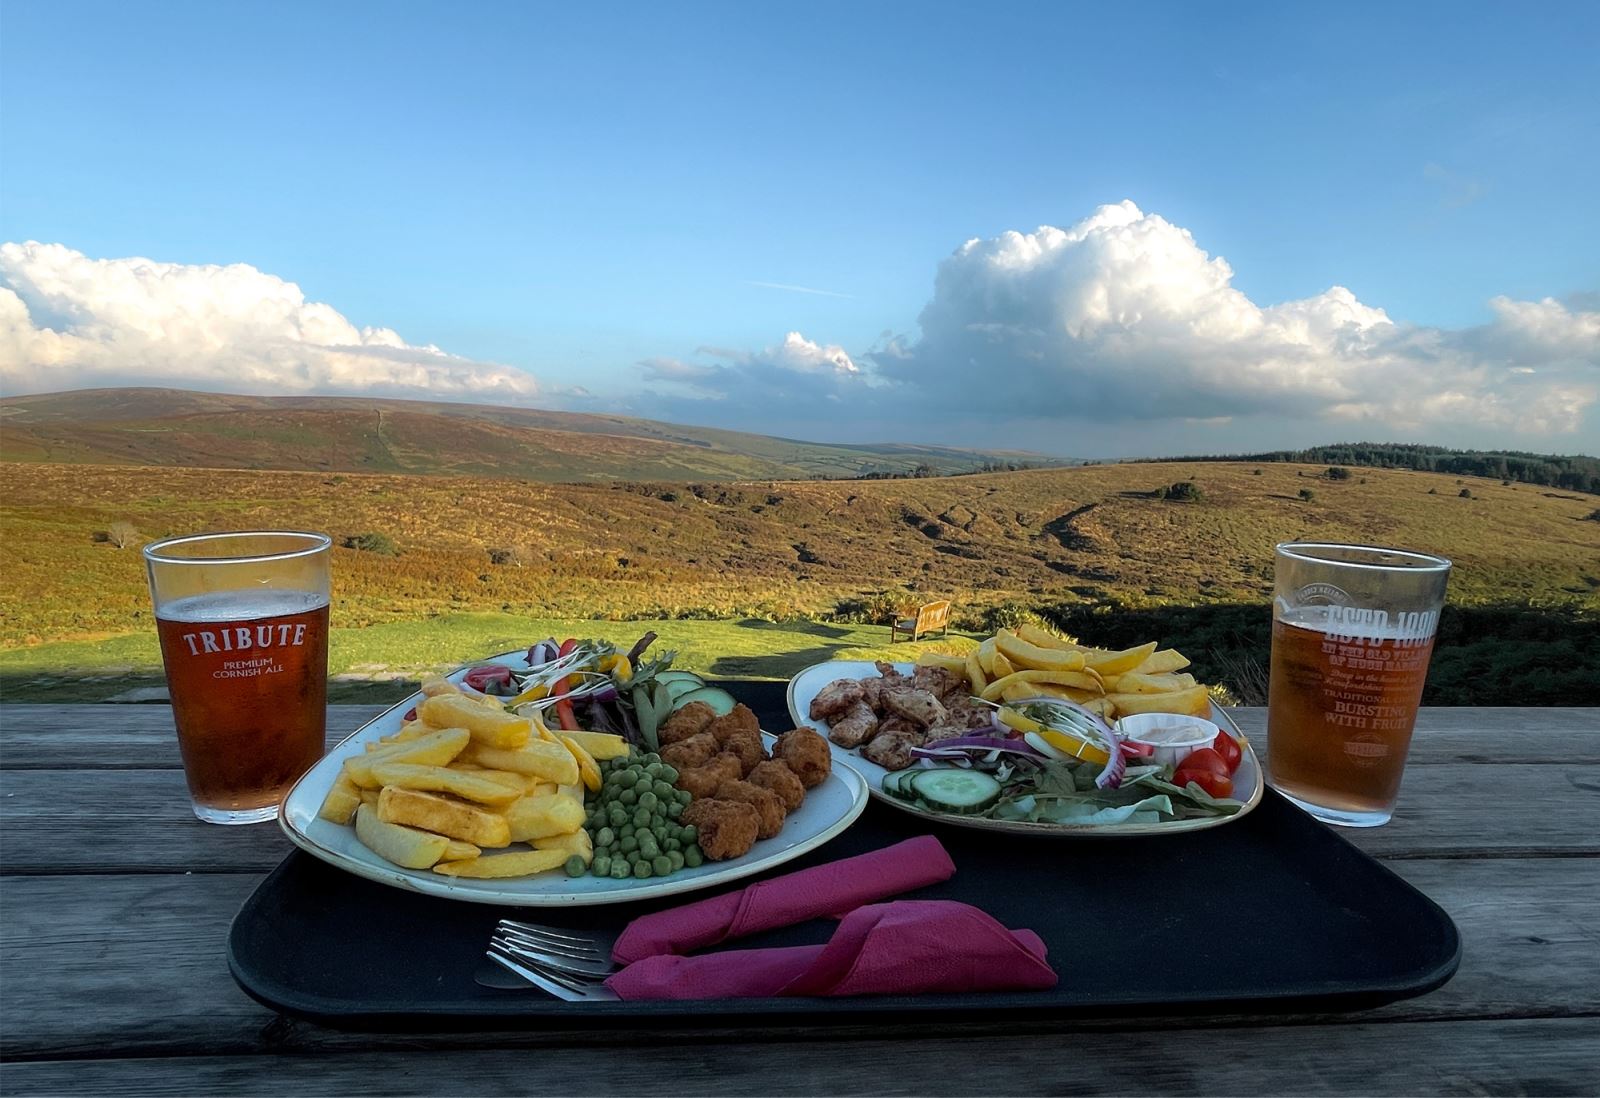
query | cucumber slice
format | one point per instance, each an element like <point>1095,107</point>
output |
<point>951,789</point>
<point>897,784</point>
<point>676,688</point>
<point>720,701</point>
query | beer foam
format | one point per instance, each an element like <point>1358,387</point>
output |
<point>241,606</point>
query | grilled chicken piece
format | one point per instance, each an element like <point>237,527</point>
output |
<point>917,706</point>
<point>835,698</point>
<point>872,694</point>
<point>891,750</point>
<point>936,680</point>
<point>855,727</point>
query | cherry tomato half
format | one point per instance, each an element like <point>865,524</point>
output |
<point>1218,785</point>
<point>1228,747</point>
<point>1205,759</point>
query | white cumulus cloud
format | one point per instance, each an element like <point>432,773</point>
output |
<point>1124,317</point>
<point>1125,314</point>
<point>68,321</point>
<point>796,368</point>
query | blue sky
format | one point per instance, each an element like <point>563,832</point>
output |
<point>569,194</point>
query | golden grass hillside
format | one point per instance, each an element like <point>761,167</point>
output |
<point>776,549</point>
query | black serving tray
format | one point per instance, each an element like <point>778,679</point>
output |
<point>1272,911</point>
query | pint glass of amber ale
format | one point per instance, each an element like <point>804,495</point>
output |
<point>243,622</point>
<point>1352,632</point>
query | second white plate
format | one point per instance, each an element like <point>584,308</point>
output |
<point>1248,783</point>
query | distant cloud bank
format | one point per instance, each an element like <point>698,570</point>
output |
<point>1124,317</point>
<point>68,321</point>
<point>1121,318</point>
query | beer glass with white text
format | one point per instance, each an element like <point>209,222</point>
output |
<point>243,623</point>
<point>1352,633</point>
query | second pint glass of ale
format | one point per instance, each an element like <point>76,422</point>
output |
<point>243,622</point>
<point>1352,633</point>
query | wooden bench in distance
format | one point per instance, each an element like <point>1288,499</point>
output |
<point>935,615</point>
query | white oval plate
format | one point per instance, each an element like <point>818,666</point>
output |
<point>805,686</point>
<point>828,809</point>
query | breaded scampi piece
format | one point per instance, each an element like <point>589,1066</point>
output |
<point>687,754</point>
<point>806,753</point>
<point>691,720</point>
<point>767,804</point>
<point>774,774</point>
<point>748,748</point>
<point>740,719</point>
<point>725,829</point>
<point>702,781</point>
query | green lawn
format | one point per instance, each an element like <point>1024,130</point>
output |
<point>744,649</point>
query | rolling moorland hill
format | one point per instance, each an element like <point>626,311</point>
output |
<point>1091,535</point>
<point>173,427</point>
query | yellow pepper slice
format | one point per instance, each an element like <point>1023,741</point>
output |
<point>1087,750</point>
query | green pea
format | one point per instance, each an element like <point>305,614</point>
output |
<point>661,864</point>
<point>601,866</point>
<point>626,830</point>
<point>648,848</point>
<point>674,810</point>
<point>664,792</point>
<point>692,857</point>
<point>672,845</point>
<point>605,837</point>
<point>653,771</point>
<point>683,797</point>
<point>641,870</point>
<point>620,869</point>
<point>669,773</point>
<point>675,858</point>
<point>647,801</point>
<point>629,796</point>
<point>626,778</point>
<point>651,757</point>
<point>617,815</point>
<point>689,834</point>
<point>641,819</point>
<point>629,844</point>
<point>576,866</point>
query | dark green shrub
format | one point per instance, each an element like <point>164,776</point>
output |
<point>1185,491</point>
<point>1307,494</point>
<point>372,542</point>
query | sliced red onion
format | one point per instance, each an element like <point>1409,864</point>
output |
<point>1087,722</point>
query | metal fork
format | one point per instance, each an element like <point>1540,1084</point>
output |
<point>569,986</point>
<point>555,947</point>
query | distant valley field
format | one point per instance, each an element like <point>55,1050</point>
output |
<point>1063,543</point>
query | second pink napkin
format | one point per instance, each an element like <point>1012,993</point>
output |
<point>833,889</point>
<point>910,947</point>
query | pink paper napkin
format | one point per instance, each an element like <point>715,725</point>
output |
<point>832,889</point>
<point>909,947</point>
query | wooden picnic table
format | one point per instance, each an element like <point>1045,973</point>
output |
<point>115,904</point>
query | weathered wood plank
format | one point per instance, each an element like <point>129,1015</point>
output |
<point>125,737</point>
<point>58,820</point>
<point>136,964</point>
<point>1488,1057</point>
<point>140,737</point>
